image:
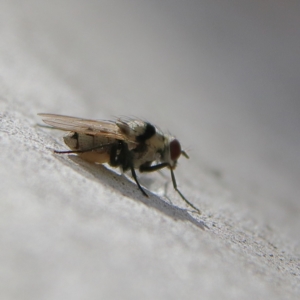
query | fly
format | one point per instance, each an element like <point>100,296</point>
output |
<point>126,143</point>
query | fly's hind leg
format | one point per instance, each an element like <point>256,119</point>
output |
<point>82,150</point>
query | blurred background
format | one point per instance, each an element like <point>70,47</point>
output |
<point>223,76</point>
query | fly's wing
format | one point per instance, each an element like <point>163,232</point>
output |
<point>104,128</point>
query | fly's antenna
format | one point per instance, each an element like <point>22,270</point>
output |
<point>184,154</point>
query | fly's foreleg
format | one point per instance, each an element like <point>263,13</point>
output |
<point>148,168</point>
<point>181,195</point>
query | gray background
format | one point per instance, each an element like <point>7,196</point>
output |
<point>223,76</point>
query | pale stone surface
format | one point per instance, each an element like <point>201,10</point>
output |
<point>224,79</point>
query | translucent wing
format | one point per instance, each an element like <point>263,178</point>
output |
<point>93,127</point>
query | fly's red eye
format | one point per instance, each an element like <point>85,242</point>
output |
<point>175,150</point>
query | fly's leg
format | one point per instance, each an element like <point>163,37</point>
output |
<point>120,155</point>
<point>81,151</point>
<point>148,168</point>
<point>181,195</point>
<point>135,178</point>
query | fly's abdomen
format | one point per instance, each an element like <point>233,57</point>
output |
<point>95,148</point>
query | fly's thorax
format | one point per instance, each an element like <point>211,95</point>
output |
<point>131,128</point>
<point>157,148</point>
<point>136,130</point>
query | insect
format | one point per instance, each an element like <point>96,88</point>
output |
<point>126,143</point>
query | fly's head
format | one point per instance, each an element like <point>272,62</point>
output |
<point>173,152</point>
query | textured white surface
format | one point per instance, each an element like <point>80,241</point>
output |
<point>224,78</point>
